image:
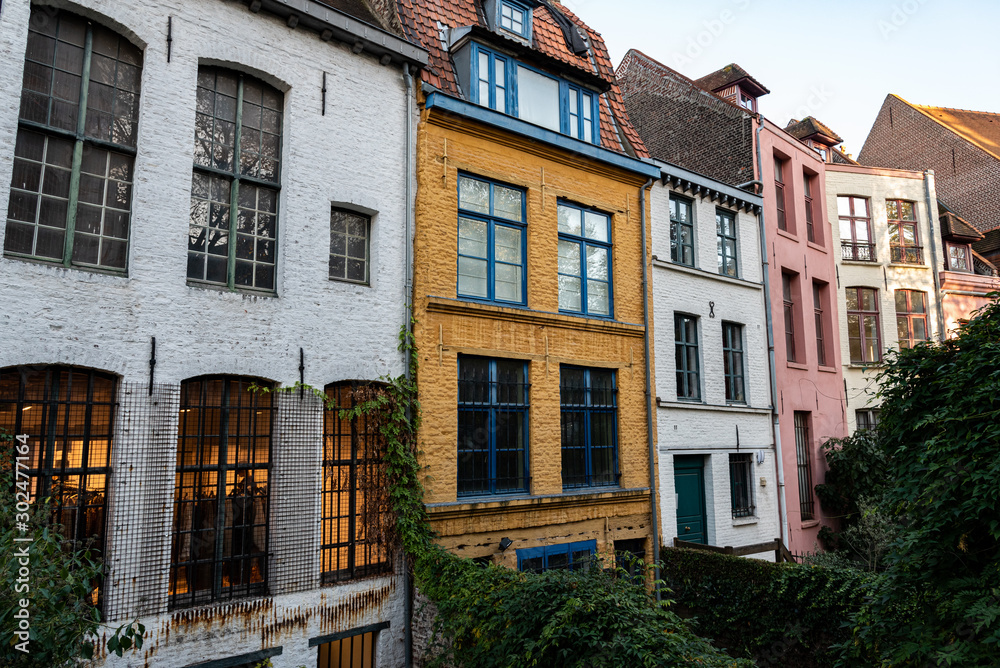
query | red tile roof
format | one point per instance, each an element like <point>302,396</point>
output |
<point>425,20</point>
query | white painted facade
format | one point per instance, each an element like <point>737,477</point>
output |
<point>878,185</point>
<point>353,156</point>
<point>708,427</point>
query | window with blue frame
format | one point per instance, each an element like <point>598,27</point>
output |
<point>508,86</point>
<point>492,426</point>
<point>584,261</point>
<point>581,114</point>
<point>515,18</point>
<point>566,556</point>
<point>491,241</point>
<point>589,418</point>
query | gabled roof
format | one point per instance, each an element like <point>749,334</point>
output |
<point>729,75</point>
<point>425,22</point>
<point>981,128</point>
<point>954,226</point>
<point>810,128</point>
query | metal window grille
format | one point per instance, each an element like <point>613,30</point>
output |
<point>741,484</point>
<point>357,515</point>
<point>681,231</point>
<point>789,311</point>
<point>732,361</point>
<point>492,426</point>
<point>803,458</point>
<point>588,400</point>
<point>349,246</point>
<point>232,233</point>
<point>820,324</point>
<point>357,651</point>
<point>867,419</point>
<point>71,189</point>
<point>68,415</point>
<point>222,492</point>
<point>563,556</point>
<point>863,331</point>
<point>725,226</point>
<point>686,354</point>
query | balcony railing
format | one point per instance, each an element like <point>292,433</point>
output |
<point>857,252</point>
<point>906,254</point>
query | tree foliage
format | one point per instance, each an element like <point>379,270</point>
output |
<point>938,602</point>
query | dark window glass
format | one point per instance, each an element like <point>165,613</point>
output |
<point>867,419</point>
<point>725,225</point>
<point>681,231</point>
<point>68,415</point>
<point>222,492</point>
<point>811,214</point>
<point>566,556</point>
<point>911,317</point>
<point>819,292</point>
<point>741,484</point>
<point>233,226</point>
<point>589,418</point>
<point>686,356</point>
<point>863,325</point>
<point>492,426</point>
<point>803,458</point>
<point>355,507</point>
<point>349,246</point>
<point>788,297</point>
<point>71,190</point>
<point>779,192</point>
<point>732,361</point>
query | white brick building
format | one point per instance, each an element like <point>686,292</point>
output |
<point>118,231</point>
<point>713,393</point>
<point>890,249</point>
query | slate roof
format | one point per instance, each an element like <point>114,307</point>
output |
<point>809,127</point>
<point>981,128</point>
<point>729,75</point>
<point>425,20</point>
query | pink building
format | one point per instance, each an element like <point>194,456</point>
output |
<point>803,290</point>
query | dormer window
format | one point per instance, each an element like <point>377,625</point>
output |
<point>510,87</point>
<point>747,102</point>
<point>515,18</point>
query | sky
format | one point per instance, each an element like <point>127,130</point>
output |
<point>835,60</point>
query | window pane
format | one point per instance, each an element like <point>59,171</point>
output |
<point>570,294</point>
<point>598,298</point>
<point>508,282</point>
<point>538,98</point>
<point>507,242</point>
<point>472,237</point>
<point>596,226</point>
<point>597,263</point>
<point>472,277</point>
<point>473,195</point>
<point>507,203</point>
<point>569,220</point>
<point>348,245</point>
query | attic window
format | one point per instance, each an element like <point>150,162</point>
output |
<point>747,102</point>
<point>515,18</point>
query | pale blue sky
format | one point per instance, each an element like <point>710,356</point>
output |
<point>934,52</point>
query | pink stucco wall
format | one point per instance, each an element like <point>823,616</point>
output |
<point>803,385</point>
<point>961,294</point>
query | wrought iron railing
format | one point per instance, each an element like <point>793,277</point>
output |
<point>484,486</point>
<point>906,254</point>
<point>857,252</point>
<point>592,480</point>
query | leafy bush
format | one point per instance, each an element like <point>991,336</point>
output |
<point>777,614</point>
<point>495,617</point>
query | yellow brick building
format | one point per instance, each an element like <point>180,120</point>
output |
<point>528,292</point>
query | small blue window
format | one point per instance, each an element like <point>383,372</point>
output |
<point>582,111</point>
<point>584,261</point>
<point>492,76</point>
<point>589,425</point>
<point>515,18</point>
<point>491,241</point>
<point>566,556</point>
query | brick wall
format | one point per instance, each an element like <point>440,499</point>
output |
<point>967,178</point>
<point>685,125</point>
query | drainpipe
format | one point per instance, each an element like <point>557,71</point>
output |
<point>931,217</point>
<point>649,390</point>
<point>407,324</point>
<point>775,417</point>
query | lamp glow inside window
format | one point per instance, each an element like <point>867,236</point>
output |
<point>514,18</point>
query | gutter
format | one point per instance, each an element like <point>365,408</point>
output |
<point>931,217</point>
<point>408,328</point>
<point>776,419</point>
<point>333,24</point>
<point>649,392</point>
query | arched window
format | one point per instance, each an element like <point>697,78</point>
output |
<point>232,233</point>
<point>71,191</point>
<point>222,491</point>
<point>357,518</point>
<point>68,415</point>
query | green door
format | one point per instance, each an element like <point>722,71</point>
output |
<point>689,486</point>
